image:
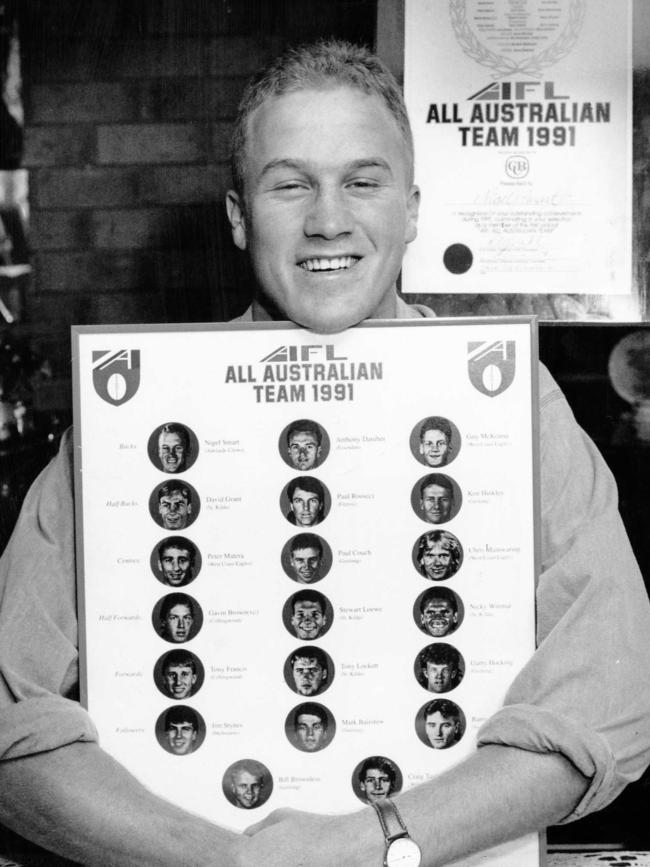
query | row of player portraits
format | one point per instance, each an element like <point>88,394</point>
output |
<point>307,558</point>
<point>307,614</point>
<point>309,671</point>
<point>305,501</point>
<point>248,783</point>
<point>310,727</point>
<point>304,444</point>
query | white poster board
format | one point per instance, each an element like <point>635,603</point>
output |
<point>522,120</point>
<point>185,547</point>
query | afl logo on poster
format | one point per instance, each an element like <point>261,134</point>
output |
<point>491,366</point>
<point>116,375</point>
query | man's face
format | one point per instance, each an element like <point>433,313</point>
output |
<point>246,788</point>
<point>439,677</point>
<point>435,557</point>
<point>177,624</point>
<point>311,732</point>
<point>308,675</point>
<point>436,503</point>
<point>434,447</point>
<point>305,562</point>
<point>442,731</point>
<point>304,450</point>
<point>375,785</point>
<point>439,618</point>
<point>171,452</point>
<point>329,207</point>
<point>174,511</point>
<point>176,566</point>
<point>179,680</point>
<point>308,619</point>
<point>181,737</point>
<point>305,506</point>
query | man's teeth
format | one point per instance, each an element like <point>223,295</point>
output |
<point>328,264</point>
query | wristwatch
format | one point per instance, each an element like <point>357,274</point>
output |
<point>401,851</point>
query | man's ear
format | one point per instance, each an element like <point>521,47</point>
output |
<point>235,210</point>
<point>412,210</point>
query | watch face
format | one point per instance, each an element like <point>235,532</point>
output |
<point>403,852</point>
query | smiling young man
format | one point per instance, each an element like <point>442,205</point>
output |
<point>173,448</point>
<point>306,558</point>
<point>325,205</point>
<point>176,560</point>
<point>179,674</point>
<point>324,200</point>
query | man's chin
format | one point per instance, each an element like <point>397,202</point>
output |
<point>331,314</point>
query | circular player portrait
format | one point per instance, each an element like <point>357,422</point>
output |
<point>304,445</point>
<point>310,727</point>
<point>175,561</point>
<point>437,555</point>
<point>180,730</point>
<point>436,498</point>
<point>305,502</point>
<point>439,667</point>
<point>174,505</point>
<point>309,671</point>
<point>179,674</point>
<point>307,615</point>
<point>247,784</point>
<point>376,778</point>
<point>440,724</point>
<point>435,441</point>
<point>177,618</point>
<point>173,447</point>
<point>438,611</point>
<point>306,558</point>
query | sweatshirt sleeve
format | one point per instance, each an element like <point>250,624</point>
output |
<point>585,693</point>
<point>39,708</point>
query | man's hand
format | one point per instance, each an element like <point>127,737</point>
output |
<point>293,838</point>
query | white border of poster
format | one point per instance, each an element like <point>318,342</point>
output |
<point>522,121</point>
<point>280,537</point>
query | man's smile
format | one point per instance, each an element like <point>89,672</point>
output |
<point>335,263</point>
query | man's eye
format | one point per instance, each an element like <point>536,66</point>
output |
<point>363,184</point>
<point>290,186</point>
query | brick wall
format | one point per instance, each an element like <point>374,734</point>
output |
<point>129,108</point>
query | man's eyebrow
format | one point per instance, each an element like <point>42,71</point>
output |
<point>304,166</point>
<point>369,163</point>
<point>283,163</point>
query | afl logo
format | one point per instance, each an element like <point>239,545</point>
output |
<point>116,375</point>
<point>491,366</point>
<point>517,166</point>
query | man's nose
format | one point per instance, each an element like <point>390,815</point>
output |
<point>329,215</point>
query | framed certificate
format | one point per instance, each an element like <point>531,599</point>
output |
<point>307,562</point>
<point>517,108</point>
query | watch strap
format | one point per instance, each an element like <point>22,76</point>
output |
<point>390,820</point>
